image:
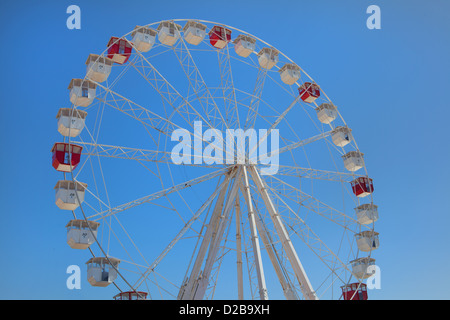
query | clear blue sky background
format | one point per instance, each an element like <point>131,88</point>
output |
<point>393,83</point>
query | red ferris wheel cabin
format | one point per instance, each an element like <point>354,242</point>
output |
<point>354,291</point>
<point>119,50</point>
<point>131,295</point>
<point>362,186</point>
<point>65,156</point>
<point>219,37</point>
<point>309,92</point>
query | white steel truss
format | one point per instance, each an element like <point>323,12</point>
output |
<point>254,237</point>
<point>157,195</point>
<point>200,91</point>
<point>227,87</point>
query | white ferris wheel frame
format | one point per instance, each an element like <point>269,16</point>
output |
<point>236,178</point>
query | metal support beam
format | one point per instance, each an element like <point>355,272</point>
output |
<point>286,242</point>
<point>255,239</point>
<point>288,290</point>
<point>240,282</point>
<point>187,291</point>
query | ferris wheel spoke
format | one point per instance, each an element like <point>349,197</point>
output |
<point>275,257</point>
<point>298,226</point>
<point>186,227</point>
<point>228,90</point>
<point>118,152</point>
<point>150,119</point>
<point>119,241</point>
<point>256,98</point>
<point>330,259</point>
<point>293,145</point>
<point>197,83</point>
<point>169,95</point>
<point>314,173</point>
<point>311,203</point>
<point>160,84</point>
<point>159,194</point>
<point>136,111</point>
<point>173,97</point>
<point>304,142</point>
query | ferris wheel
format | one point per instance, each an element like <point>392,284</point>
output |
<point>162,204</point>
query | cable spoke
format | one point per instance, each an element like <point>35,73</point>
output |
<point>256,97</point>
<point>228,90</point>
<point>197,83</point>
<point>182,231</point>
<point>298,226</point>
<point>315,173</point>
<point>109,151</point>
<point>168,92</point>
<point>159,194</point>
<point>136,111</point>
<point>285,189</point>
<point>300,273</point>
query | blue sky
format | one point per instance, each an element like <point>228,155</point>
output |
<point>393,83</point>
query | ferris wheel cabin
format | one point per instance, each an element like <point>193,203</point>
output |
<point>101,271</point>
<point>82,92</point>
<point>362,267</point>
<point>69,194</point>
<point>143,38</point>
<point>268,57</point>
<point>326,112</point>
<point>362,186</point>
<point>219,37</point>
<point>309,92</point>
<point>119,50</point>
<point>367,213</point>
<point>168,32</point>
<point>367,240</point>
<point>194,32</point>
<point>289,73</point>
<point>341,136</point>
<point>353,160</point>
<point>354,291</point>
<point>98,68</point>
<point>70,121</point>
<point>131,295</point>
<point>81,234</point>
<point>65,156</point>
<point>244,45</point>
